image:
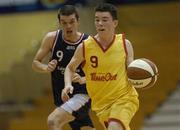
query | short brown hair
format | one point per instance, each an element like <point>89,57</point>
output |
<point>68,10</point>
<point>106,7</point>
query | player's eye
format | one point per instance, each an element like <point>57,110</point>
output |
<point>96,20</point>
<point>72,22</point>
<point>64,23</point>
<point>105,20</point>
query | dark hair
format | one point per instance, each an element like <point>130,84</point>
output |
<point>68,10</point>
<point>106,7</point>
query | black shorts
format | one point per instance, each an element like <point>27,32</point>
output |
<point>80,122</point>
<point>79,106</point>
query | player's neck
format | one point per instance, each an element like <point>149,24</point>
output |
<point>105,41</point>
<point>73,38</point>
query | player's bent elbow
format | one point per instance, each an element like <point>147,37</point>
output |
<point>33,65</point>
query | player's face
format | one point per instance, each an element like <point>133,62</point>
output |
<point>104,23</point>
<point>69,25</point>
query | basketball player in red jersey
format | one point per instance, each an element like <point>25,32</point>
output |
<point>105,57</point>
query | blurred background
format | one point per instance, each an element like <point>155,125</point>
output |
<point>153,27</point>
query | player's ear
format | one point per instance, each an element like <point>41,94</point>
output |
<point>78,21</point>
<point>58,18</point>
<point>115,23</point>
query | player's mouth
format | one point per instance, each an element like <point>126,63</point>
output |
<point>69,32</point>
<point>101,30</point>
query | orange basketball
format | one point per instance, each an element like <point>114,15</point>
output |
<point>142,73</point>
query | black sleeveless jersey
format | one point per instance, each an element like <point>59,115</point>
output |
<point>63,51</point>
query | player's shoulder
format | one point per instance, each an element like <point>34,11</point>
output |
<point>127,41</point>
<point>51,34</point>
<point>89,38</point>
<point>88,41</point>
<point>120,35</point>
<point>123,36</point>
<point>49,38</point>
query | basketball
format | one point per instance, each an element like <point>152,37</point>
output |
<point>142,73</point>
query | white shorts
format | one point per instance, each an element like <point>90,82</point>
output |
<point>75,103</point>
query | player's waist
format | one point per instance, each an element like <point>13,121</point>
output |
<point>103,99</point>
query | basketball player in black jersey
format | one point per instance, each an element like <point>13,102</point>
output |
<point>62,45</point>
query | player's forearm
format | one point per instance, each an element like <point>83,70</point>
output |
<point>68,76</point>
<point>39,67</point>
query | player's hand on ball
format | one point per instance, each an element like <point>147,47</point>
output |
<point>51,65</point>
